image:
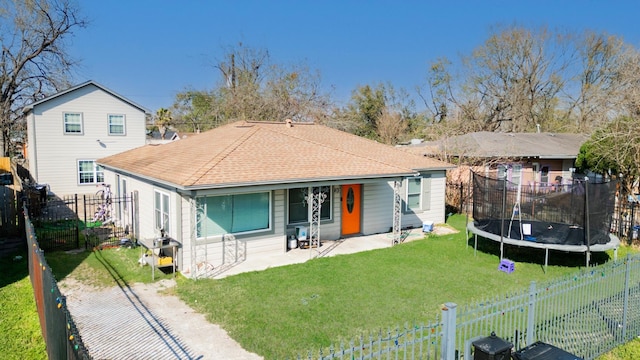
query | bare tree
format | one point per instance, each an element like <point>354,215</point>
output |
<point>437,94</point>
<point>251,87</point>
<point>600,60</point>
<point>34,61</point>
<point>391,127</point>
<point>514,78</point>
<point>520,78</point>
<point>614,145</point>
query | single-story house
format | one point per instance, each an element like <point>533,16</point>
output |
<point>538,160</point>
<point>259,183</point>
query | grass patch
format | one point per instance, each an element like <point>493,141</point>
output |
<point>284,311</point>
<point>103,268</point>
<point>19,322</point>
<point>628,351</point>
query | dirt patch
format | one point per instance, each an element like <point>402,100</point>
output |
<point>438,229</point>
<point>444,229</point>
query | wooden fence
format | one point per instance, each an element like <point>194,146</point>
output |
<point>11,222</point>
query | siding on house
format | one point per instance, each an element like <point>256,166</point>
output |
<point>53,155</point>
<point>432,201</point>
<point>210,250</point>
<point>377,207</point>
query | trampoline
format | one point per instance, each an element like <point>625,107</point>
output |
<point>574,217</point>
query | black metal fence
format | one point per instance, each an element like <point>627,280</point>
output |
<point>59,331</point>
<point>75,221</point>
<point>626,220</point>
<point>107,221</point>
<point>54,220</point>
<point>457,197</point>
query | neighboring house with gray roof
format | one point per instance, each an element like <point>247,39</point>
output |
<point>154,137</point>
<point>69,130</point>
<point>250,180</point>
<point>536,159</point>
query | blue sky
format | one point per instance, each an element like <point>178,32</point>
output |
<point>149,50</point>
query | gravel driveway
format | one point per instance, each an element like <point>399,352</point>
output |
<point>138,322</point>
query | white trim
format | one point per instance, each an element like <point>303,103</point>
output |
<point>406,193</point>
<point>95,172</point>
<point>64,123</point>
<point>162,210</point>
<point>30,107</point>
<point>124,124</point>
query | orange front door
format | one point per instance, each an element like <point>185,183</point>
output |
<point>351,209</point>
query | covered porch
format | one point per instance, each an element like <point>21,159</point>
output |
<point>327,248</point>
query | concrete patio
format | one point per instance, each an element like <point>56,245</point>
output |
<point>327,248</point>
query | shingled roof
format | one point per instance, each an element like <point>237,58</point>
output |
<point>506,145</point>
<point>255,153</point>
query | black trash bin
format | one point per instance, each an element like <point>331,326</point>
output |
<point>42,191</point>
<point>543,351</point>
<point>492,348</point>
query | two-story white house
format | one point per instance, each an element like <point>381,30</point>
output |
<point>69,130</point>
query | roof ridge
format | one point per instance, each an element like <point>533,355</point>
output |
<point>198,174</point>
<point>340,149</point>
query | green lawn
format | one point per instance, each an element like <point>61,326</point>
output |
<point>289,310</point>
<point>19,324</point>
<point>629,351</point>
<point>285,311</point>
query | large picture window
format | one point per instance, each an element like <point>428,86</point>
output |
<point>72,123</point>
<point>299,208</point>
<point>89,172</point>
<point>161,207</point>
<point>233,214</point>
<point>116,125</point>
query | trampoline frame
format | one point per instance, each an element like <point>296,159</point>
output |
<point>587,248</point>
<point>613,244</point>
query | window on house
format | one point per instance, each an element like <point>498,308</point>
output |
<point>89,172</point>
<point>516,174</point>
<point>116,125</point>
<point>233,214</point>
<point>161,208</point>
<point>122,193</point>
<point>544,175</point>
<point>414,193</point>
<point>299,208</point>
<point>72,123</point>
<point>502,172</point>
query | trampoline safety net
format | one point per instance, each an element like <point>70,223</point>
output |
<point>578,213</point>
